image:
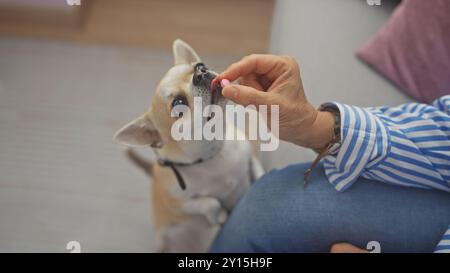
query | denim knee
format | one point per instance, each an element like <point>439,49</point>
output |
<point>274,206</point>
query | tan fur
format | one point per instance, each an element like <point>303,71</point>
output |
<point>166,208</point>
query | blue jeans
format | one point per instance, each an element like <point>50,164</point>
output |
<point>278,214</point>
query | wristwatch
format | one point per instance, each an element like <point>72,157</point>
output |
<point>333,146</point>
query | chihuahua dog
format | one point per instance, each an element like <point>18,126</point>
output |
<point>196,183</point>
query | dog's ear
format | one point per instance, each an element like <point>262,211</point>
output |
<point>139,132</point>
<point>183,53</point>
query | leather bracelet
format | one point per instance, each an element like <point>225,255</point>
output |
<point>321,153</point>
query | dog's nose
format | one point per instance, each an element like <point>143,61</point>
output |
<point>201,74</point>
<point>201,67</point>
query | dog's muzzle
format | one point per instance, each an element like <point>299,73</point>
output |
<point>202,76</point>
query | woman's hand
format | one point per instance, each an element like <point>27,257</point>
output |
<point>346,248</point>
<point>275,80</point>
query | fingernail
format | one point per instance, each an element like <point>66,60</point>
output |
<point>229,92</point>
<point>224,82</point>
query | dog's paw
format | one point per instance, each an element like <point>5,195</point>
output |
<point>215,214</point>
<point>222,217</point>
<point>207,206</point>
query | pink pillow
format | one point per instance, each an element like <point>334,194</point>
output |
<point>413,49</point>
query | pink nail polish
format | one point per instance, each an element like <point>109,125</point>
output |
<point>225,82</point>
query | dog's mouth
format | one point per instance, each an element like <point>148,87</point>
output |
<point>216,93</point>
<point>203,78</point>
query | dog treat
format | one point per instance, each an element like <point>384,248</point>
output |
<point>213,84</point>
<point>224,82</point>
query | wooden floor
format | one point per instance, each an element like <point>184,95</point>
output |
<point>214,26</point>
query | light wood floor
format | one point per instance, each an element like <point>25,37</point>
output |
<point>215,26</point>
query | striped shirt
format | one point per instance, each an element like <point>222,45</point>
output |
<point>408,145</point>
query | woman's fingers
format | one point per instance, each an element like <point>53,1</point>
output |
<point>251,81</point>
<point>252,64</point>
<point>245,95</point>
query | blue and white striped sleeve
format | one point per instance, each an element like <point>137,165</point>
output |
<point>408,145</point>
<point>444,245</point>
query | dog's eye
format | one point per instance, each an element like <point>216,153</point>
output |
<point>181,100</point>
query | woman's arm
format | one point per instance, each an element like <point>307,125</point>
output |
<point>408,145</point>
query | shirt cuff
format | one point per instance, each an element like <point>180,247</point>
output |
<point>364,143</point>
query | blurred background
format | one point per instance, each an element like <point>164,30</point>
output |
<point>70,76</point>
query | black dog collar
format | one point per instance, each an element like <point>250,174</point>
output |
<point>172,165</point>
